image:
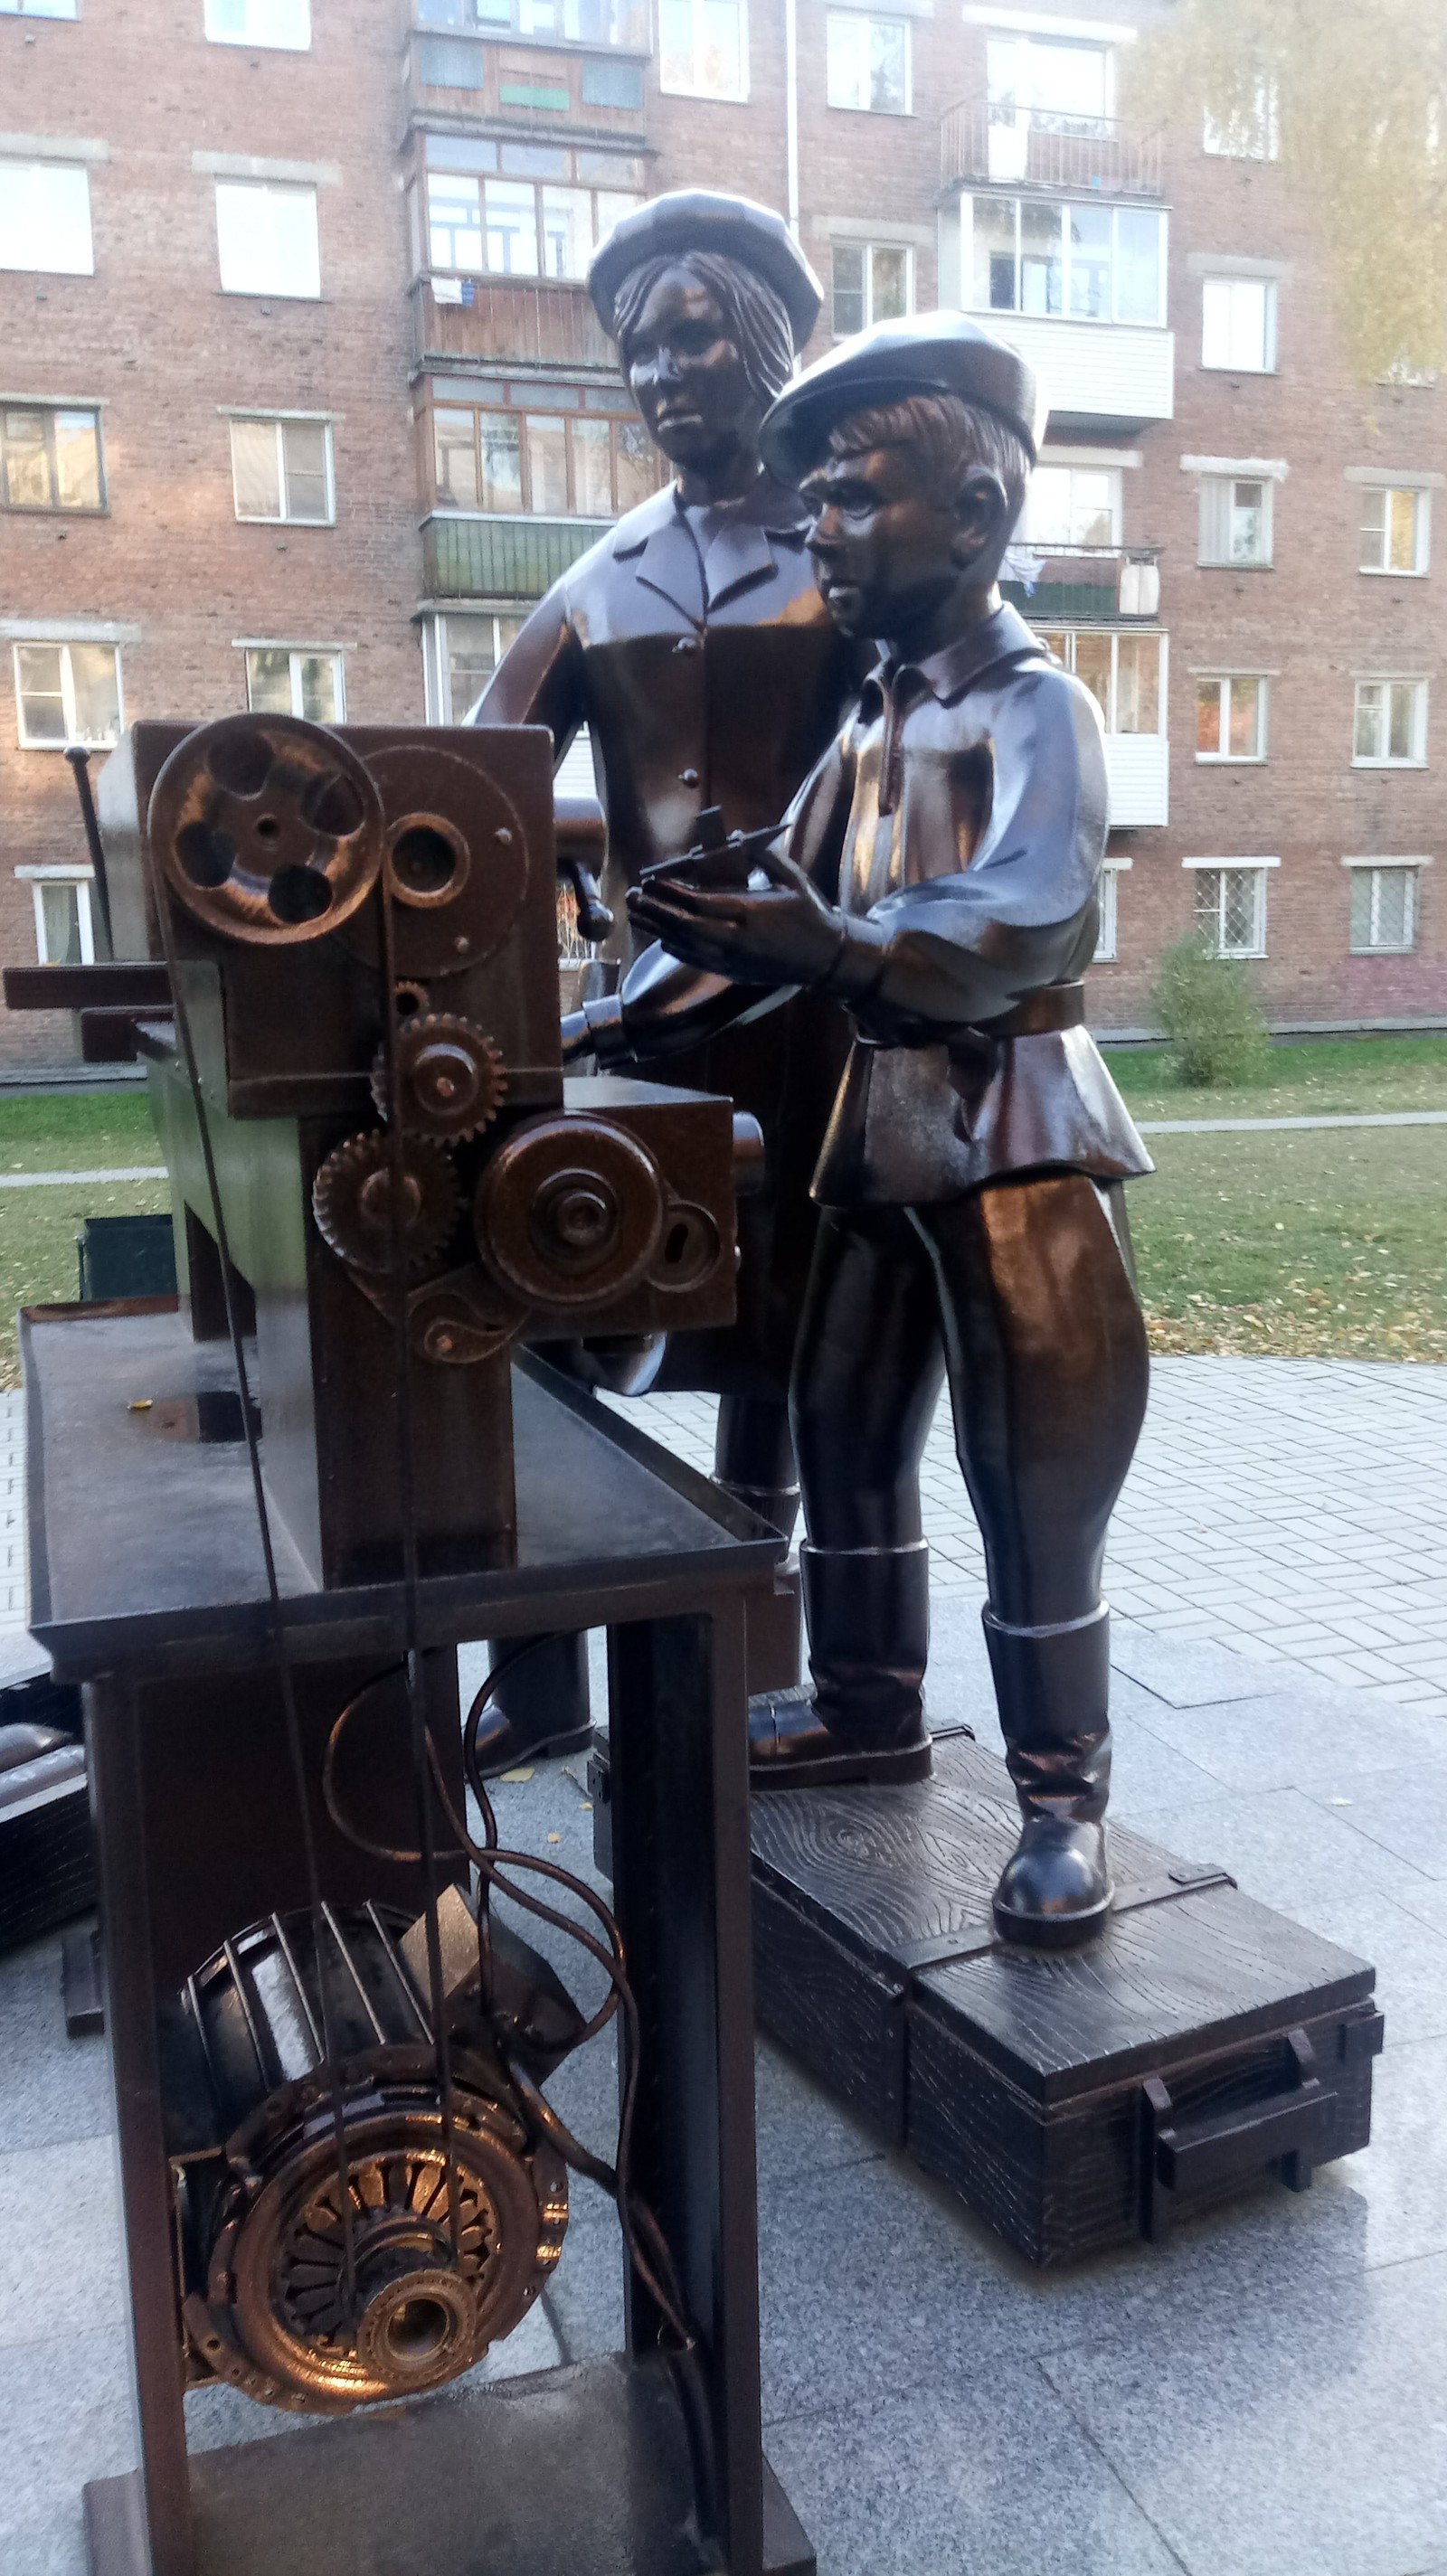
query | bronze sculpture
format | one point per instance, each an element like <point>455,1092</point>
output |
<point>693,643</point>
<point>937,875</point>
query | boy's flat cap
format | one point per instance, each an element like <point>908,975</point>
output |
<point>926,353</point>
<point>694,219</point>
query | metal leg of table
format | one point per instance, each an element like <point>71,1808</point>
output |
<point>681,1894</point>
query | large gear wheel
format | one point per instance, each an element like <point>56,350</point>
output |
<point>269,830</point>
<point>352,1201</point>
<point>450,1076</point>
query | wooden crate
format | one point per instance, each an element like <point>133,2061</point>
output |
<point>1075,2100</point>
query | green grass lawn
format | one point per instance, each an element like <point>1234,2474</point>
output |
<point>1322,1077</point>
<point>1308,1244</point>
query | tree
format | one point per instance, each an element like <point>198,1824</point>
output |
<point>1353,94</point>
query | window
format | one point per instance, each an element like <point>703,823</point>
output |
<point>703,48</point>
<point>267,238</point>
<point>282,469</point>
<point>50,458</point>
<point>40,8</point>
<point>1122,672</point>
<point>1092,263</point>
<point>569,22</point>
<point>872,283</point>
<point>1231,718</point>
<point>296,680</point>
<point>283,24</point>
<point>459,655</point>
<point>1072,505</point>
<point>1235,520</point>
<point>64,928</point>
<point>68,693</point>
<point>1390,727</point>
<point>1238,324</point>
<point>521,227</point>
<point>1056,85</point>
<point>867,63</point>
<point>1250,132</point>
<point>574,464</point>
<point>1107,900</point>
<point>1396,531</point>
<point>1383,908</point>
<point>1231,910</point>
<point>45,217</point>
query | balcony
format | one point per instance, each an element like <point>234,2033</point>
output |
<point>522,320</point>
<point>1121,372</point>
<point>514,557</point>
<point>1009,147</point>
<point>1138,769</point>
<point>468,74</point>
<point>1082,585</point>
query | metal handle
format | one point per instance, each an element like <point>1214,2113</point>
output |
<point>1290,2129</point>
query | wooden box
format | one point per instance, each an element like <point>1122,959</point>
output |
<point>1075,2100</point>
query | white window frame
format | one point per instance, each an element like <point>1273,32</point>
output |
<point>1020,103</point>
<point>1211,285</point>
<point>263,13</point>
<point>1002,315</point>
<point>55,405</point>
<point>281,421</point>
<point>436,675</point>
<point>82,878</point>
<point>40,8</point>
<point>254,189</point>
<point>63,644</point>
<point>691,89</point>
<point>1252,134</point>
<point>864,18</point>
<point>1107,945</point>
<point>1377,868</point>
<point>1417,758</point>
<point>1025,535</point>
<point>1228,682</point>
<point>336,654</point>
<point>38,171</point>
<point>1209,557</point>
<point>1119,635</point>
<point>1259,869</point>
<point>1421,500</point>
<point>866,251</point>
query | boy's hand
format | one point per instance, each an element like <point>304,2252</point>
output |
<point>782,933</point>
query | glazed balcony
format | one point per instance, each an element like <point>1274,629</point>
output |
<point>476,555</point>
<point>455,72</point>
<point>1018,147</point>
<point>1082,585</point>
<point>527,321</point>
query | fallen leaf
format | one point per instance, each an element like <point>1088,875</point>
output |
<point>515,1779</point>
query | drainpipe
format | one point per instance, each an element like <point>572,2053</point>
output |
<point>791,108</point>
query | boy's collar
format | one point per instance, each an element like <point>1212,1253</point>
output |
<point>950,672</point>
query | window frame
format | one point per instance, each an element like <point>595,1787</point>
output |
<point>1417,758</point>
<point>65,645</point>
<point>1207,484</point>
<point>436,665</point>
<point>336,654</point>
<point>27,9</point>
<point>1051,120</point>
<point>1237,366</point>
<point>511,31</point>
<point>866,18</point>
<point>280,421</point>
<point>1048,464</point>
<point>75,170</point>
<point>1063,205</point>
<point>1221,869</point>
<point>1227,682</point>
<point>1421,500</point>
<point>1117,636</point>
<point>271,188</point>
<point>866,251</point>
<point>259,44</point>
<point>691,89</point>
<point>51,405</point>
<point>481,180</point>
<point>613,421</point>
<point>1254,135</point>
<point>1108,900</point>
<point>82,880</point>
<point>1376,869</point>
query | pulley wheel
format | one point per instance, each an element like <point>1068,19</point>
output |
<point>456,863</point>
<point>569,1211</point>
<point>267,829</point>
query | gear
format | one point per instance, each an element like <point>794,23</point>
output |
<point>352,1194</point>
<point>269,830</point>
<point>450,1076</point>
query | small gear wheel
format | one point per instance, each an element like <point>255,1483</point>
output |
<point>352,1201</point>
<point>449,1073</point>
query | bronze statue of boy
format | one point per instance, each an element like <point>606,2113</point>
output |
<point>937,874</point>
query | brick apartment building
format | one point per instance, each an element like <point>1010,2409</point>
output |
<point>302,401</point>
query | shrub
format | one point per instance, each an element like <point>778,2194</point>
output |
<point>1210,1014</point>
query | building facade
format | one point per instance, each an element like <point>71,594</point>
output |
<point>302,402</point>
